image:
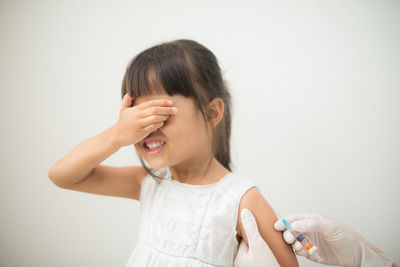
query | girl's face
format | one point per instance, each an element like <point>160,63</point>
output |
<point>185,134</point>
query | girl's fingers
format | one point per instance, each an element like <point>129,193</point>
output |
<point>157,102</point>
<point>126,101</point>
<point>159,111</point>
<point>153,127</point>
<point>154,119</point>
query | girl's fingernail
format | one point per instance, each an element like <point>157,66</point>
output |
<point>169,102</point>
<point>174,110</point>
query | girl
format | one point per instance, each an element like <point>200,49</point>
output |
<point>176,111</point>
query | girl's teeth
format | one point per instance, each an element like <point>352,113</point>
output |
<point>155,145</point>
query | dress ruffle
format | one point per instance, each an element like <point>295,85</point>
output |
<point>150,256</point>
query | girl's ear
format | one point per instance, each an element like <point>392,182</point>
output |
<point>216,111</point>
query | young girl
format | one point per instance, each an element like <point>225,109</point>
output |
<point>176,111</point>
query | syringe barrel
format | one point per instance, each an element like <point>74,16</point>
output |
<point>304,241</point>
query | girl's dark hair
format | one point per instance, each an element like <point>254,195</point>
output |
<point>190,69</point>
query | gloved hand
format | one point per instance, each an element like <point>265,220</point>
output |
<point>258,254</point>
<point>337,243</point>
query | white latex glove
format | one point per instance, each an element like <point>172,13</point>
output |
<point>337,243</point>
<point>258,254</point>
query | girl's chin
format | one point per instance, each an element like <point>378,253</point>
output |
<point>157,165</point>
<point>155,162</point>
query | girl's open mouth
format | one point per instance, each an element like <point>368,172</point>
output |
<point>153,147</point>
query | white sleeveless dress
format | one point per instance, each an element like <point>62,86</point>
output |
<point>188,225</point>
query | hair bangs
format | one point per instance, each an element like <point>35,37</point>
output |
<point>158,70</point>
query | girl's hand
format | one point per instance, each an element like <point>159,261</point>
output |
<point>135,123</point>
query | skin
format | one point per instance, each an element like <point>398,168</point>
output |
<point>187,149</point>
<point>186,153</point>
<point>265,218</point>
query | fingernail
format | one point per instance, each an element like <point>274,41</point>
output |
<point>169,102</point>
<point>174,110</point>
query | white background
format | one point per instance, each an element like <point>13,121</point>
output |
<point>315,88</point>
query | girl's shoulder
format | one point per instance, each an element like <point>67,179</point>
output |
<point>264,214</point>
<point>239,184</point>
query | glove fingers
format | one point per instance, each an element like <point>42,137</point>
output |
<point>249,225</point>
<point>240,259</point>
<point>305,216</point>
<point>297,246</point>
<point>303,252</point>
<point>243,249</point>
<point>288,237</point>
<point>309,225</point>
<point>279,225</point>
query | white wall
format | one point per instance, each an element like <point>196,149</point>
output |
<point>315,88</point>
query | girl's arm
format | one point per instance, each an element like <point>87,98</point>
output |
<point>80,162</point>
<point>265,218</point>
<point>80,170</point>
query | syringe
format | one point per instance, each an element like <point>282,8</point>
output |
<point>310,247</point>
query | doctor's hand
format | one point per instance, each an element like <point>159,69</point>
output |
<point>337,243</point>
<point>258,254</point>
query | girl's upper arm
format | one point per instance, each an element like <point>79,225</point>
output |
<point>113,181</point>
<point>265,218</point>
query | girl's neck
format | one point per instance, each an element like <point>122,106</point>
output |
<point>196,175</point>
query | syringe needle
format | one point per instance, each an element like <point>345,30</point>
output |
<point>310,247</point>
